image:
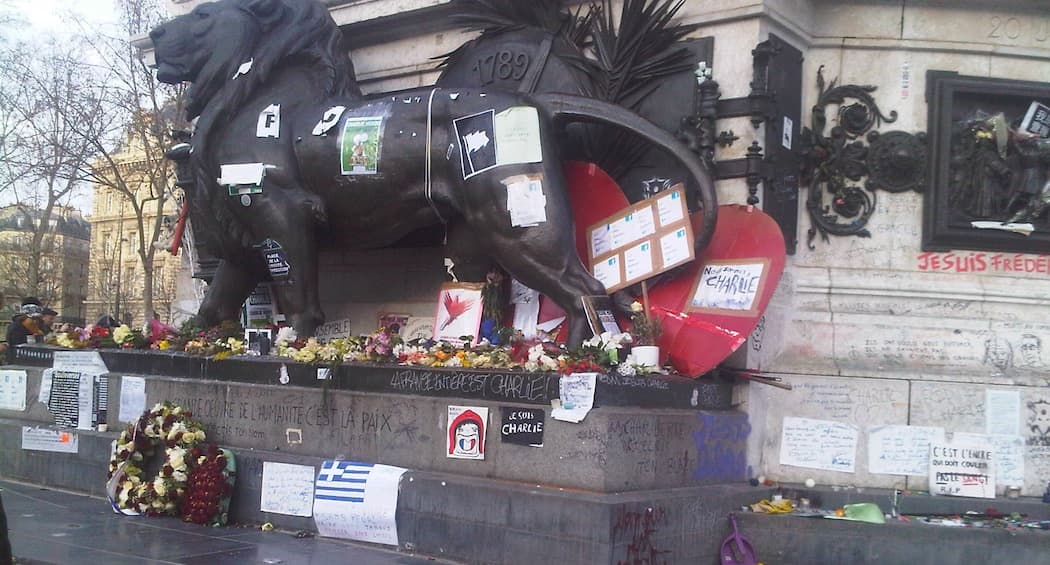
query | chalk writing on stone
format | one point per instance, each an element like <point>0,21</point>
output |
<point>633,382</point>
<point>509,386</point>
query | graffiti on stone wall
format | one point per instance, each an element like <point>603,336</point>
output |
<point>638,528</point>
<point>1038,423</point>
<point>721,446</point>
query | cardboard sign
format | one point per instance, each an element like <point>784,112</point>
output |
<point>962,468</point>
<point>465,431</point>
<point>522,426</point>
<point>730,287</point>
<point>334,329</point>
<point>641,241</point>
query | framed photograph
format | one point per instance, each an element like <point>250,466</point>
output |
<point>258,340</point>
<point>459,311</point>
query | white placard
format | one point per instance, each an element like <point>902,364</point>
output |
<point>901,450</point>
<point>576,392</point>
<point>45,385</point>
<point>86,362</point>
<point>526,203</point>
<point>1009,456</point>
<point>601,241</point>
<point>638,260</point>
<point>287,489</point>
<point>963,467</point>
<point>819,444</point>
<point>357,501</point>
<point>1002,412</point>
<point>85,402</point>
<point>645,225</point>
<point>132,398</point>
<point>625,230</point>
<point>729,286</point>
<point>47,439</point>
<point>675,247</point>
<point>608,271</point>
<point>465,431</point>
<point>517,131</point>
<point>242,174</point>
<point>669,208</point>
<point>269,124</point>
<point>13,390</point>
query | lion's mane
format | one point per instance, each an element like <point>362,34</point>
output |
<point>293,32</point>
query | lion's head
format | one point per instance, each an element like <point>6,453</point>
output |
<point>207,47</point>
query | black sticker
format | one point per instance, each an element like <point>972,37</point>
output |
<point>276,261</point>
<point>477,142</point>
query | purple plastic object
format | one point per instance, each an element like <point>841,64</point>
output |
<point>736,549</point>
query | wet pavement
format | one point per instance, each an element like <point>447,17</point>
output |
<point>49,526</point>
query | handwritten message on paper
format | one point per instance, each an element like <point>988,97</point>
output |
<point>132,398</point>
<point>13,390</point>
<point>1009,453</point>
<point>287,489</point>
<point>819,444</point>
<point>357,501</point>
<point>577,397</point>
<point>901,450</point>
<point>728,286</point>
<point>962,468</point>
<point>1002,411</point>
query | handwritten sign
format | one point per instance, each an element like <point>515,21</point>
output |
<point>576,396</point>
<point>901,450</point>
<point>47,439</point>
<point>522,426</point>
<point>287,489</point>
<point>642,240</point>
<point>357,501</point>
<point>13,390</point>
<point>1002,410</point>
<point>1009,455</point>
<point>334,329</point>
<point>730,287</point>
<point>132,398</point>
<point>819,444</point>
<point>962,468</point>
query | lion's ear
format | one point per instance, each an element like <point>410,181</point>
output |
<point>267,11</point>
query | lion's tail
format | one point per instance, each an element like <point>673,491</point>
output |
<point>579,108</point>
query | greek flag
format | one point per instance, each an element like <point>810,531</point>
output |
<point>343,481</point>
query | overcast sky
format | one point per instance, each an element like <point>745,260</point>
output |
<point>50,16</point>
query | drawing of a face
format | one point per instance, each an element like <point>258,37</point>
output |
<point>466,436</point>
<point>1031,351</point>
<point>1039,417</point>
<point>467,439</point>
<point>998,353</point>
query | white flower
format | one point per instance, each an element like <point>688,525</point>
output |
<point>637,306</point>
<point>179,476</point>
<point>160,488</point>
<point>285,336</point>
<point>626,369</point>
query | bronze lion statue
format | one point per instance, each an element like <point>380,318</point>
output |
<point>287,150</point>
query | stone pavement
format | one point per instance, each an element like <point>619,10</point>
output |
<point>50,526</point>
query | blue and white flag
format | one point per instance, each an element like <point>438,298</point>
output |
<point>357,501</point>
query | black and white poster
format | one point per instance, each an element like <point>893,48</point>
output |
<point>477,142</point>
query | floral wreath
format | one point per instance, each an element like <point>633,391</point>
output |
<point>207,500</point>
<point>129,492</point>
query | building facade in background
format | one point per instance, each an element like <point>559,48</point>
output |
<point>115,281</point>
<point>63,258</point>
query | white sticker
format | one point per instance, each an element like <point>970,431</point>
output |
<point>329,120</point>
<point>269,124</point>
<point>788,132</point>
<point>526,203</point>
<point>244,68</point>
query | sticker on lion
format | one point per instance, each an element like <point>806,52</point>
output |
<point>414,169</point>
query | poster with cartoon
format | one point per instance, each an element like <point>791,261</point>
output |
<point>458,313</point>
<point>361,144</point>
<point>465,431</point>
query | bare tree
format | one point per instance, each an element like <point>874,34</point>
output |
<point>148,112</point>
<point>45,153</point>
